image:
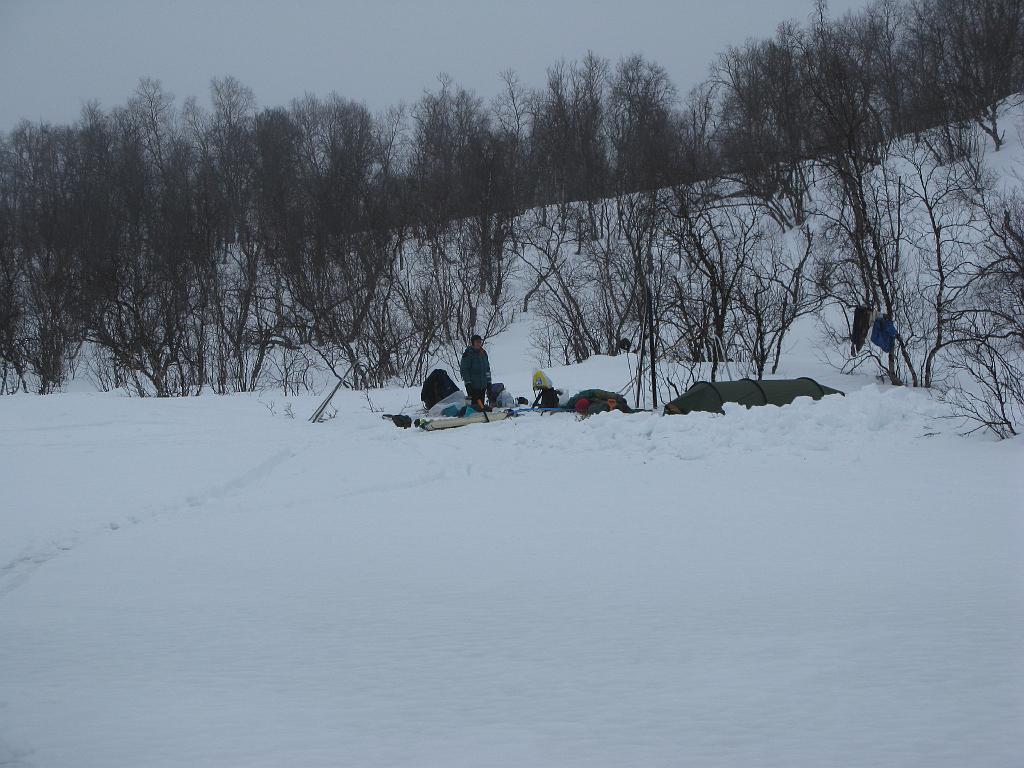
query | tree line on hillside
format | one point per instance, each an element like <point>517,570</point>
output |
<point>839,163</point>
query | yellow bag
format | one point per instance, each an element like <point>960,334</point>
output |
<point>541,381</point>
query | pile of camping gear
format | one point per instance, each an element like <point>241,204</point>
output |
<point>441,397</point>
<point>446,406</point>
<point>585,403</point>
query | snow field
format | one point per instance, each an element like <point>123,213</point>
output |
<point>204,582</point>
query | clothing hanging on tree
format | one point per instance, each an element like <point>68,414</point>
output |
<point>883,333</point>
<point>863,319</point>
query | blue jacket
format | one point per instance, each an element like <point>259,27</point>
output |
<point>883,335</point>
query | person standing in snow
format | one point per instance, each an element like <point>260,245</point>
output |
<point>476,371</point>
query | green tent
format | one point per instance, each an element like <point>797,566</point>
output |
<point>710,396</point>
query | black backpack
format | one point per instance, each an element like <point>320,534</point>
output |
<point>436,388</point>
<point>548,398</point>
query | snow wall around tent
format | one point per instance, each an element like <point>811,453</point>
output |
<point>711,396</point>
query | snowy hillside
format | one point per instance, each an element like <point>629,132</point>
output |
<point>208,582</point>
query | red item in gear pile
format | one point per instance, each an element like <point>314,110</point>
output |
<point>582,405</point>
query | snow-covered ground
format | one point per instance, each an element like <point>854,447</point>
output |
<point>208,582</point>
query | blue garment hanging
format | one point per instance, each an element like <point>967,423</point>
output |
<point>883,334</point>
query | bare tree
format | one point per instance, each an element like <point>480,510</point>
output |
<point>44,164</point>
<point>568,141</point>
<point>714,240</point>
<point>983,43</point>
<point>904,243</point>
<point>991,357</point>
<point>149,308</point>
<point>12,308</point>
<point>765,117</point>
<point>774,292</point>
<point>562,284</point>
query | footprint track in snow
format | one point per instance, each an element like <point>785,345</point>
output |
<point>16,571</point>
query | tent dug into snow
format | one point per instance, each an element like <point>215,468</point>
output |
<point>711,396</point>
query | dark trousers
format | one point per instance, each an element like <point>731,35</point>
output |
<point>861,326</point>
<point>476,395</point>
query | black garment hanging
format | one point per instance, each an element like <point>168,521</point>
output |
<point>862,319</point>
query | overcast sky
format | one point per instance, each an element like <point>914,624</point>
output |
<point>57,54</point>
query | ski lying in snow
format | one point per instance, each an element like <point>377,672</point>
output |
<point>477,418</point>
